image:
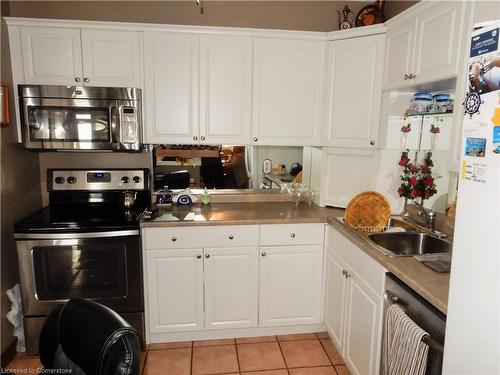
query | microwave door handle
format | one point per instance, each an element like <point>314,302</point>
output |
<point>115,131</point>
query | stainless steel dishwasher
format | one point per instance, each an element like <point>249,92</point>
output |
<point>421,312</point>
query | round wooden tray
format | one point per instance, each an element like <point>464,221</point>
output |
<point>368,211</point>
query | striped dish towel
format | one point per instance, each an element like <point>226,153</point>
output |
<point>403,351</point>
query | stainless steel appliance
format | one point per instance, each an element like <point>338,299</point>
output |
<point>424,314</point>
<point>80,118</point>
<point>85,244</point>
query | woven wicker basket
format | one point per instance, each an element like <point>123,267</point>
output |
<point>368,212</point>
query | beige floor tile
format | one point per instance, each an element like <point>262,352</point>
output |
<point>305,353</point>
<point>198,344</point>
<point>168,362</point>
<point>215,360</point>
<point>268,372</point>
<point>253,340</point>
<point>170,345</point>
<point>332,352</point>
<point>322,335</point>
<point>23,362</point>
<point>342,370</point>
<point>297,337</point>
<point>260,356</point>
<point>326,370</point>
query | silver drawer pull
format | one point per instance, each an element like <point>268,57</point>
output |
<point>207,256</point>
<point>231,237</point>
<point>264,254</point>
<point>174,239</point>
<point>292,235</point>
<point>198,256</point>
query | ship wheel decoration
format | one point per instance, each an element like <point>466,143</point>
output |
<point>472,103</point>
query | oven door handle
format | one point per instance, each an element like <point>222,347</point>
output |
<point>73,235</point>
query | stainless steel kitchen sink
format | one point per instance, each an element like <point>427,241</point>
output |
<point>410,243</point>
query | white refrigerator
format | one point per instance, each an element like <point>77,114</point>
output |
<point>473,321</point>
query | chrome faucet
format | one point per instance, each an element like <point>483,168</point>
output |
<point>428,215</point>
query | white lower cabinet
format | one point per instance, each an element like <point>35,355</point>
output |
<point>231,287</point>
<point>175,290</point>
<point>290,284</point>
<point>354,303</point>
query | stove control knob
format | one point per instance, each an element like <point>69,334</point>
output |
<point>71,180</point>
<point>125,179</point>
<point>59,180</point>
<point>137,179</point>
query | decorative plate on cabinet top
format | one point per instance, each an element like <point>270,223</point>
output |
<point>368,211</point>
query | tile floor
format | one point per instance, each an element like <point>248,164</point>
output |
<point>301,354</point>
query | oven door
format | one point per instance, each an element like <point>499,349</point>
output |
<point>70,124</point>
<point>106,269</point>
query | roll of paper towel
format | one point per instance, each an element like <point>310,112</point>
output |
<point>15,316</point>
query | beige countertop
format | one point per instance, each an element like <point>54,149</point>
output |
<point>241,213</point>
<point>431,285</point>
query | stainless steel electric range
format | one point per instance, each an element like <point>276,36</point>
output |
<point>85,244</point>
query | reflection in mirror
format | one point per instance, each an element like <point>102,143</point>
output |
<point>225,166</point>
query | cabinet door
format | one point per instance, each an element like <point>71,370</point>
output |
<point>290,285</point>
<point>225,89</point>
<point>171,87</point>
<point>288,91</point>
<point>348,172</point>
<point>231,287</point>
<point>335,296</point>
<point>439,27</point>
<point>112,58</point>
<point>175,290</point>
<point>51,56</point>
<point>354,91</point>
<point>400,41</point>
<point>361,349</point>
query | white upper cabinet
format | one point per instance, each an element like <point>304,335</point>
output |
<point>437,43</point>
<point>288,91</point>
<point>51,55</point>
<point>225,89</point>
<point>112,58</point>
<point>400,38</point>
<point>423,44</point>
<point>73,56</point>
<point>354,91</point>
<point>171,66</point>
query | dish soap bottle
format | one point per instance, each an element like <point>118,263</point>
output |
<point>205,197</point>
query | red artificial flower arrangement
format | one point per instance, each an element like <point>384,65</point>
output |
<point>417,181</point>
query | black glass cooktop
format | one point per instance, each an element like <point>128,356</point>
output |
<point>81,218</point>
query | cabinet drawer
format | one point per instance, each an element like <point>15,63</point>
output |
<point>291,234</point>
<point>201,237</point>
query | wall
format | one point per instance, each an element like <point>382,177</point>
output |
<point>20,192</point>
<point>294,15</point>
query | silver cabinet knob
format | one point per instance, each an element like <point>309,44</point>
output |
<point>198,256</point>
<point>411,76</point>
<point>263,254</point>
<point>255,139</point>
<point>85,80</point>
<point>406,76</point>
<point>202,138</point>
<point>207,256</point>
<point>292,235</point>
<point>344,272</point>
<point>372,143</point>
<point>231,237</point>
<point>77,79</point>
<point>195,138</point>
<point>348,275</point>
<point>174,239</point>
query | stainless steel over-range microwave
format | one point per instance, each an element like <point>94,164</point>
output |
<point>80,118</point>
